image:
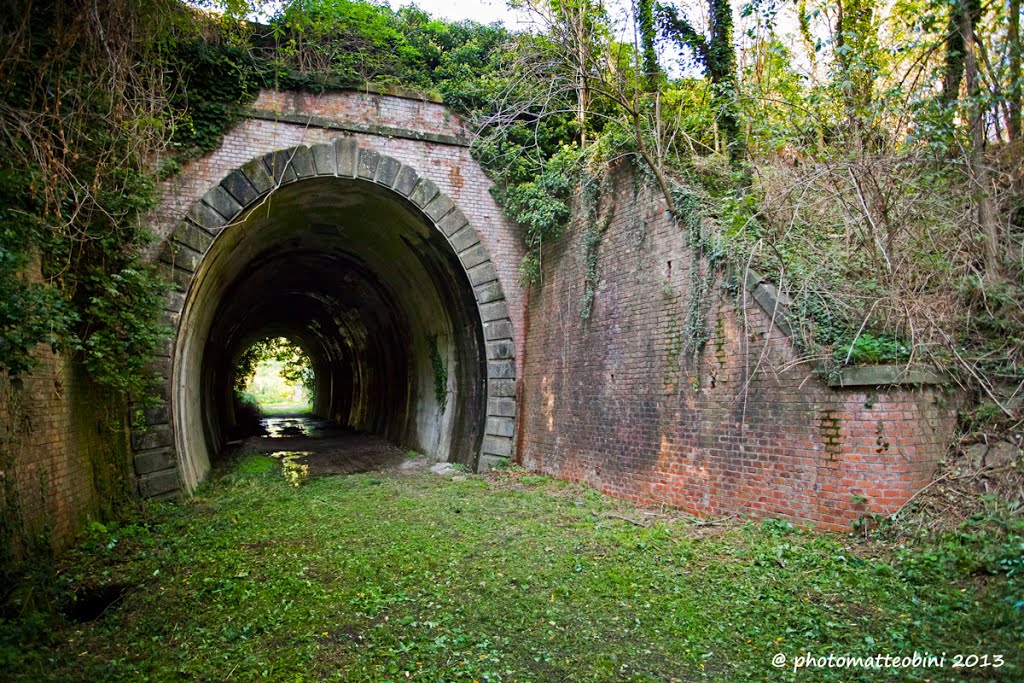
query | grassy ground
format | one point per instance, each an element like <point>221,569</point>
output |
<point>511,578</point>
<point>282,409</point>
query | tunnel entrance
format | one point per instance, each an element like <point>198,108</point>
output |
<point>364,283</point>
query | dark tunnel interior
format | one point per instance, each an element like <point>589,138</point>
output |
<point>372,293</point>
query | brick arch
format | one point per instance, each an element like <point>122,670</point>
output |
<point>157,465</point>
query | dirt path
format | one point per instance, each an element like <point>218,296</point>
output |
<point>327,448</point>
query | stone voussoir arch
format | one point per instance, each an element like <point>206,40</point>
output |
<point>156,461</point>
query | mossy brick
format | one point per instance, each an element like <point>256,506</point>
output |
<point>157,415</point>
<point>346,152</point>
<point>302,162</point>
<point>323,159</point>
<point>155,436</point>
<point>239,187</point>
<point>180,256</point>
<point>256,173</point>
<point>222,202</point>
<point>368,162</point>
<point>387,171</point>
<point>174,301</point>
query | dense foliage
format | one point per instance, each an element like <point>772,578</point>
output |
<point>868,163</point>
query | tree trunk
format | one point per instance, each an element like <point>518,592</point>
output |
<point>1014,95</point>
<point>953,71</point>
<point>976,162</point>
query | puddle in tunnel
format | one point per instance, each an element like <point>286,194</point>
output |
<point>313,446</point>
<point>290,425</point>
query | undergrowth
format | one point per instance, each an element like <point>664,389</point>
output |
<point>512,577</point>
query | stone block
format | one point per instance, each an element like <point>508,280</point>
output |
<point>368,162</point>
<point>154,436</point>
<point>256,173</point>
<point>279,166</point>
<point>497,445</point>
<point>438,207</point>
<point>387,171</point>
<point>424,192</point>
<point>501,388</point>
<point>453,222</point>
<point>180,256</point>
<point>464,239</point>
<point>496,310</point>
<point>498,329</point>
<point>324,160</point>
<point>501,369</point>
<point>474,256</point>
<point>222,202</point>
<point>192,237</point>
<point>488,292</point>
<point>206,218</point>
<point>159,483</point>
<point>174,301</point>
<point>346,152</point>
<point>482,274</point>
<point>239,187</point>
<point>406,181</point>
<point>155,460</point>
<point>501,350</point>
<point>501,407</point>
<point>302,162</point>
<point>500,426</point>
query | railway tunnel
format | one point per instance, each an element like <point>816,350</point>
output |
<point>372,283</point>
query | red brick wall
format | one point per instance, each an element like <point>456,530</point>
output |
<point>63,455</point>
<point>738,428</point>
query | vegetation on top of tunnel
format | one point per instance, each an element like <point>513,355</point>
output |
<point>872,188</point>
<point>509,577</point>
<point>879,189</point>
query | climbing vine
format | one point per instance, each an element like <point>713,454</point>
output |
<point>440,373</point>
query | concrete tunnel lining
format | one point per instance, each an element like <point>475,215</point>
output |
<point>362,274</point>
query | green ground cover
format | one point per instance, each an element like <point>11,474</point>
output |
<point>513,577</point>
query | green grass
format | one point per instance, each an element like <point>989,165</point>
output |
<point>379,578</point>
<point>283,409</point>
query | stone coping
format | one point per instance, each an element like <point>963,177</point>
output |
<point>776,304</point>
<point>355,127</point>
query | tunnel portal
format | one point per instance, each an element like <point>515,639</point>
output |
<point>379,279</point>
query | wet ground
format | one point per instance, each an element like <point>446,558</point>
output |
<point>328,448</point>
